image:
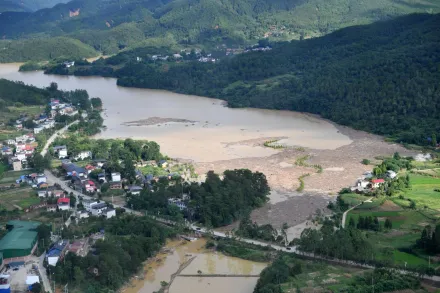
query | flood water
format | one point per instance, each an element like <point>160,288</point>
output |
<point>214,132</point>
<point>202,263</point>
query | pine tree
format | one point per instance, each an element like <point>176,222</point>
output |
<point>351,223</point>
<point>388,224</point>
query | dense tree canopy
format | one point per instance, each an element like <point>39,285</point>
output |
<point>109,26</point>
<point>215,202</point>
<point>381,78</point>
<point>129,241</point>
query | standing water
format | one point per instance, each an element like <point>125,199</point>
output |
<point>193,268</point>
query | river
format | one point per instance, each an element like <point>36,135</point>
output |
<point>191,127</point>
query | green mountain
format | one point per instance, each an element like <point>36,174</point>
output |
<point>27,5</point>
<point>40,49</point>
<point>382,78</point>
<point>111,25</point>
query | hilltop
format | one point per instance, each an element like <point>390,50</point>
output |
<point>110,26</point>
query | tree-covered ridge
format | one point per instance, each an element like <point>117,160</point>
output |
<point>382,78</point>
<point>27,5</point>
<point>17,92</point>
<point>111,25</point>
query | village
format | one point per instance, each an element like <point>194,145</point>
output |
<point>201,55</point>
<point>77,173</point>
<point>19,150</point>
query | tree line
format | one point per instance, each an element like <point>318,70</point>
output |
<point>216,202</point>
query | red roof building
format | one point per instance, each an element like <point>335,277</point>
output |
<point>377,181</point>
<point>63,200</point>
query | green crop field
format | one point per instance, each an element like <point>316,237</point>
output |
<point>422,191</point>
<point>20,198</point>
<point>318,275</point>
<point>10,176</point>
<point>353,199</point>
<point>403,220</point>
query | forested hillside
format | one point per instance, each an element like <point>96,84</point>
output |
<point>40,49</point>
<point>111,25</point>
<point>382,78</point>
<point>27,5</point>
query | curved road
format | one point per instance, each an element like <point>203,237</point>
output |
<point>344,215</point>
<point>54,136</point>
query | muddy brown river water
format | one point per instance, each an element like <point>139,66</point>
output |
<point>213,130</point>
<point>197,261</point>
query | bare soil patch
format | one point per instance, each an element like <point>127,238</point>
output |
<point>388,205</point>
<point>395,233</point>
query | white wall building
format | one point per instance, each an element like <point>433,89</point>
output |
<point>41,179</point>
<point>38,129</point>
<point>98,208</point>
<point>83,155</point>
<point>178,202</point>
<point>116,177</point>
<point>109,213</point>
<point>62,153</point>
<point>88,204</point>
<point>82,214</point>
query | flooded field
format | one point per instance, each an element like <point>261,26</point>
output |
<point>190,258</point>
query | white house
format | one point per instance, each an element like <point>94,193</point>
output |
<point>38,129</point>
<point>64,207</point>
<point>391,174</point>
<point>41,193</point>
<point>116,176</point>
<point>178,202</point>
<point>82,214</point>
<point>109,213</point>
<point>88,204</point>
<point>367,175</point>
<point>83,155</point>
<point>135,190</point>
<point>362,183</point>
<point>62,153</point>
<point>375,183</point>
<point>10,142</point>
<point>98,208</point>
<point>20,156</point>
<point>41,179</point>
<point>16,165</point>
<point>51,208</point>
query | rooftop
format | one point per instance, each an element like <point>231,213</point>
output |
<point>21,236</point>
<point>99,206</point>
<point>58,248</point>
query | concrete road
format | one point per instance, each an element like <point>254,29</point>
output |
<point>54,136</point>
<point>43,273</point>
